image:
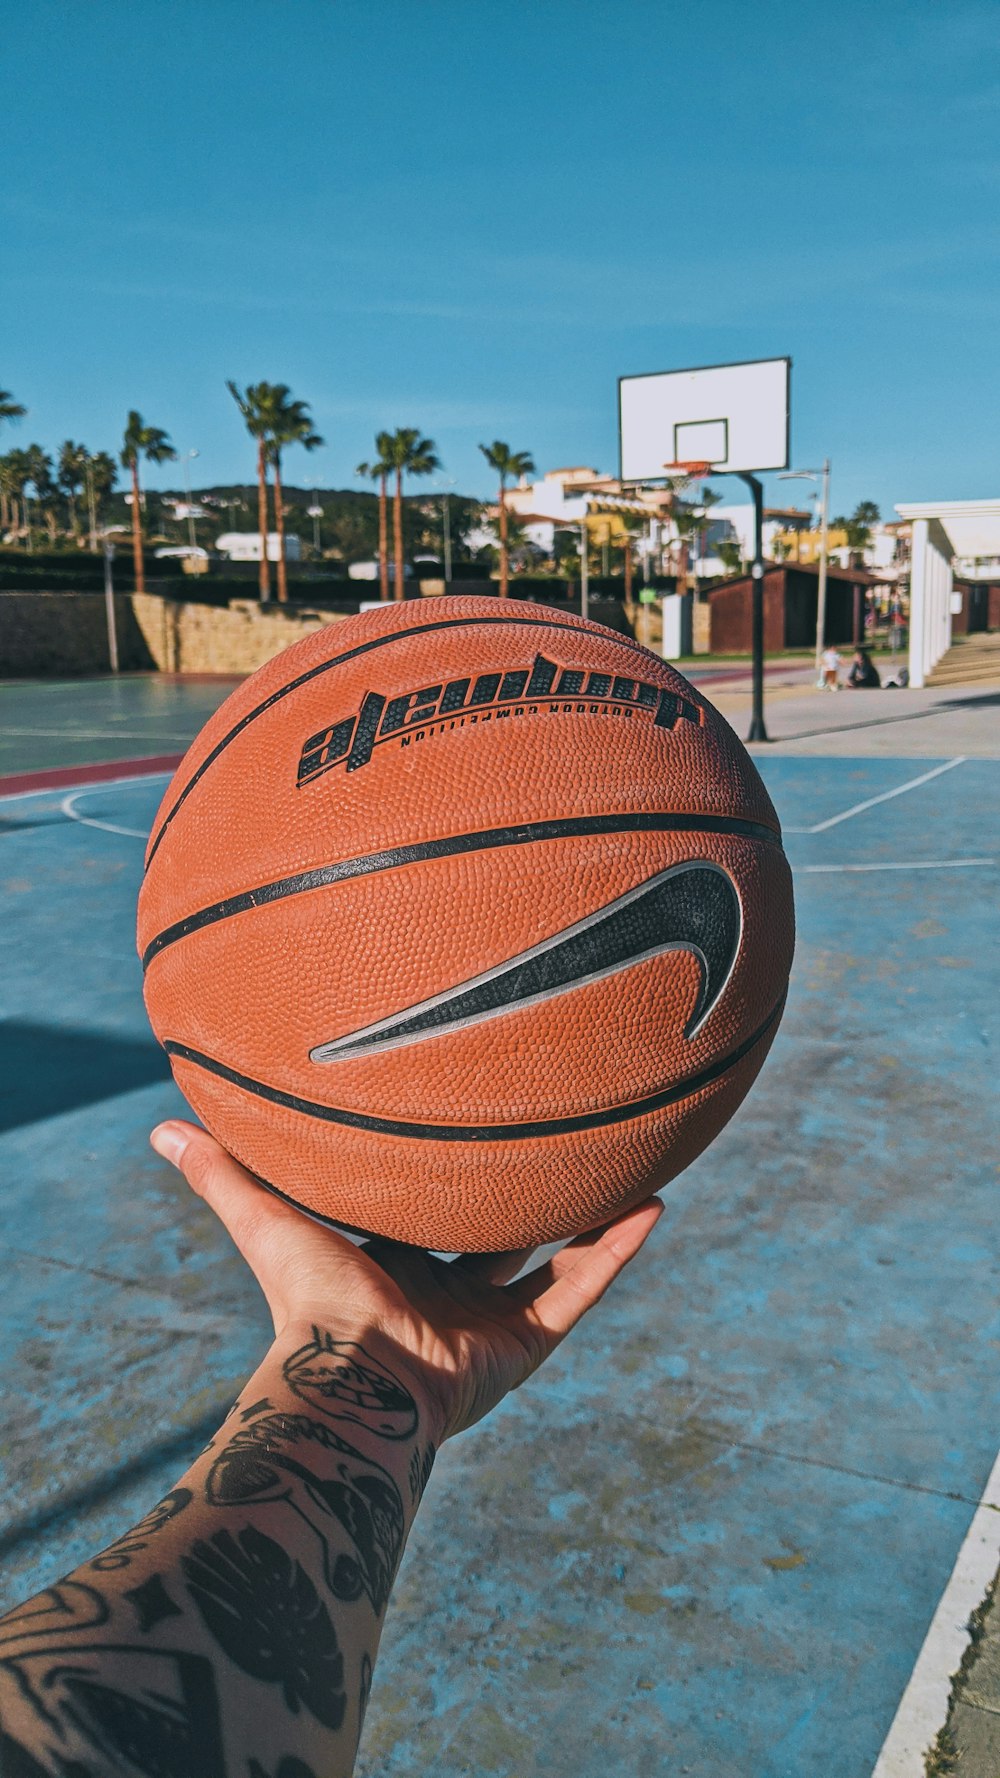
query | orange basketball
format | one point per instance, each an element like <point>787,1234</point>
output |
<point>466,923</point>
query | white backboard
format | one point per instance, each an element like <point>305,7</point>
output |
<point>733,416</point>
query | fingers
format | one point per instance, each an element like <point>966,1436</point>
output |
<point>237,1198</point>
<point>492,1268</point>
<point>559,1294</point>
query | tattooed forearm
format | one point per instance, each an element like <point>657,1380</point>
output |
<point>120,1553</point>
<point>231,1632</point>
<point>350,1496</point>
<point>263,1610</point>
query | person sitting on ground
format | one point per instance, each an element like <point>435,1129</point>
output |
<point>863,673</point>
<point>235,1628</point>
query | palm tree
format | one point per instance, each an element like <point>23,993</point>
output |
<point>16,473</point>
<point>44,485</point>
<point>9,408</point>
<point>154,444</point>
<point>71,474</point>
<point>101,473</point>
<point>11,411</point>
<point>633,525</point>
<point>289,422</point>
<point>506,462</point>
<point>378,471</point>
<point>407,453</point>
<point>255,406</point>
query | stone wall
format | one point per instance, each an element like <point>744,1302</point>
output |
<point>237,638</point>
<point>52,634</point>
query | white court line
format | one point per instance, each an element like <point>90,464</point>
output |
<point>923,1707</point>
<point>886,797</point>
<point>914,864</point>
<point>20,796</point>
<point>93,734</point>
<point>66,806</point>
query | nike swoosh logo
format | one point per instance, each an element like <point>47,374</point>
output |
<point>690,907</point>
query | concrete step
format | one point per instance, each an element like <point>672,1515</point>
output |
<point>968,661</point>
<point>963,673</point>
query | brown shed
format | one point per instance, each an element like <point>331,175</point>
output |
<point>790,600</point>
<point>980,607</point>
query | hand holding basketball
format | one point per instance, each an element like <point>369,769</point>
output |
<point>469,1334</point>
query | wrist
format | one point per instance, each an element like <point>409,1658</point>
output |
<point>352,1370</point>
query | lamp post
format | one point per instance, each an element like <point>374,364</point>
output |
<point>192,534</point>
<point>758,732</point>
<point>109,606</point>
<point>446,488</point>
<point>315,512</point>
<point>822,476</point>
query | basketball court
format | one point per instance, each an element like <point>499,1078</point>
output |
<point>741,1489</point>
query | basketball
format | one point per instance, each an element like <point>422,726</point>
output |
<point>466,923</point>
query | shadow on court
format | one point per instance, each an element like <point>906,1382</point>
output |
<point>48,1069</point>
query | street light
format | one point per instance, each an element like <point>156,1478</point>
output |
<point>192,534</point>
<point>446,488</point>
<point>315,512</point>
<point>822,476</point>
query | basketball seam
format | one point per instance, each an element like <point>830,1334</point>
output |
<point>451,623</point>
<point>515,1132</point>
<point>423,851</point>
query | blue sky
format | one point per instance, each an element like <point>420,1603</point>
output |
<point>473,218</point>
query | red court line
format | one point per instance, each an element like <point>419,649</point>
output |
<point>61,777</point>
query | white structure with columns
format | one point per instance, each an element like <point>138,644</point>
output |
<point>942,531</point>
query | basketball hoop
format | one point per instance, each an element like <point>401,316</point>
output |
<point>686,472</point>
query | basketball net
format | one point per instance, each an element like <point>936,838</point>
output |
<point>681,475</point>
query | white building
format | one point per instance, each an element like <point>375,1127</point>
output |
<point>945,533</point>
<point>244,546</point>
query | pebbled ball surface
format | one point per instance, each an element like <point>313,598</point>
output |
<point>410,801</point>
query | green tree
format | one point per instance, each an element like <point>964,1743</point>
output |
<point>273,419</point>
<point>506,463</point>
<point>407,453</point>
<point>860,524</point>
<point>44,483</point>
<point>101,476</point>
<point>72,470</point>
<point>10,411</point>
<point>378,471</point>
<point>630,526</point>
<point>254,403</point>
<point>154,444</point>
<point>16,475</point>
<point>689,513</point>
<point>730,555</point>
<point>289,423</point>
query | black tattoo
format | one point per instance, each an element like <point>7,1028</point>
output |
<point>257,1407</point>
<point>360,1497</point>
<point>365,1689</point>
<point>120,1553</point>
<point>161,1720</point>
<point>341,1379</point>
<point>289,1767</point>
<point>151,1602</point>
<point>264,1611</point>
<point>17,1762</point>
<point>419,1471</point>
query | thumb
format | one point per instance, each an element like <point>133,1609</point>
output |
<point>249,1213</point>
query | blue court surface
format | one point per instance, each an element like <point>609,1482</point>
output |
<point>710,1536</point>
